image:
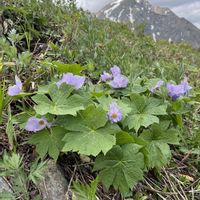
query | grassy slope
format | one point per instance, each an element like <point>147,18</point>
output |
<point>51,33</point>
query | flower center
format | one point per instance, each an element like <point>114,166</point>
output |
<point>41,122</point>
<point>114,115</point>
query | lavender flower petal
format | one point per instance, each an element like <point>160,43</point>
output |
<point>157,86</point>
<point>18,82</point>
<point>114,114</point>
<point>77,81</point>
<point>36,124</point>
<point>70,79</point>
<point>106,76</point>
<point>175,91</point>
<point>15,89</point>
<point>119,81</point>
<point>186,87</point>
<point>115,70</point>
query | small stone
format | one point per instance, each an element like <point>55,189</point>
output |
<point>85,159</point>
<point>54,185</point>
<point>4,187</point>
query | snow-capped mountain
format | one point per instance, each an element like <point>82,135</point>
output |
<point>159,22</point>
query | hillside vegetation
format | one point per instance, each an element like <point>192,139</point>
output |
<point>41,40</point>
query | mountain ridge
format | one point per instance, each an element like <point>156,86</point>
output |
<point>160,23</point>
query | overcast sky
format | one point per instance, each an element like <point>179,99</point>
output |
<point>190,9</point>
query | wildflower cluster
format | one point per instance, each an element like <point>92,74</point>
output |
<point>173,91</point>
<point>116,79</point>
<point>110,125</point>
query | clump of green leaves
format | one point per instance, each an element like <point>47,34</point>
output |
<point>150,124</point>
<point>85,192</point>
<point>12,166</point>
<point>124,150</point>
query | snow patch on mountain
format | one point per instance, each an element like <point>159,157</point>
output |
<point>131,18</point>
<point>114,5</point>
<point>160,23</point>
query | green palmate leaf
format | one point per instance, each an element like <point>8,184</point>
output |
<point>158,137</point>
<point>44,89</point>
<point>136,85</point>
<point>137,120</point>
<point>137,88</point>
<point>121,167</point>
<point>124,138</point>
<point>91,142</point>
<point>47,142</point>
<point>157,132</point>
<point>89,133</point>
<point>90,118</point>
<point>98,90</point>
<point>144,111</point>
<point>159,154</point>
<point>128,138</point>
<point>61,103</point>
<point>73,68</point>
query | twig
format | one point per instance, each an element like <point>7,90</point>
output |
<point>186,156</point>
<point>83,164</point>
<point>173,187</point>
<point>179,183</point>
<point>157,191</point>
<point>72,177</point>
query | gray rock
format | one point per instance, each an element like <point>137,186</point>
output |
<point>54,185</point>
<point>160,23</point>
<point>1,24</point>
<point>4,187</point>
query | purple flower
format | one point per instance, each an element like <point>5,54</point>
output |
<point>36,124</point>
<point>175,91</point>
<point>186,87</point>
<point>119,81</point>
<point>157,86</point>
<point>70,79</point>
<point>115,70</point>
<point>114,114</point>
<point>15,89</point>
<point>106,76</point>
